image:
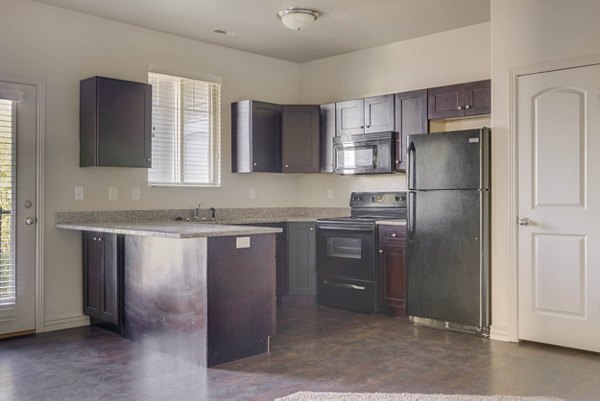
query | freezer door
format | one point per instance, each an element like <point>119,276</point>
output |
<point>447,269</point>
<point>449,160</point>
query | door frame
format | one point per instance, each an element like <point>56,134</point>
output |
<point>512,333</point>
<point>40,86</point>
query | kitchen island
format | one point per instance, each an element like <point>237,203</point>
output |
<point>203,292</point>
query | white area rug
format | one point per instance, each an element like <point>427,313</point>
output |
<point>310,396</point>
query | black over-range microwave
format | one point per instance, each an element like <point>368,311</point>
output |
<point>365,153</point>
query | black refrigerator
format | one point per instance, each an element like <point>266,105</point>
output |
<point>448,229</point>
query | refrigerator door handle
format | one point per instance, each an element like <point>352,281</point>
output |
<point>410,216</point>
<point>411,165</point>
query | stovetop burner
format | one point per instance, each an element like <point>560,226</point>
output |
<point>372,206</point>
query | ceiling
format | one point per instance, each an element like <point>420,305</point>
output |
<point>344,25</point>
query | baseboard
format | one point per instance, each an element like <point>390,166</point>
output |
<point>499,333</point>
<point>66,323</point>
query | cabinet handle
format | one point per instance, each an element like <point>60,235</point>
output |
<point>256,164</point>
<point>459,108</point>
<point>148,159</point>
<point>362,126</point>
<point>468,106</point>
<point>99,238</point>
<point>286,166</point>
<point>311,229</point>
<point>381,251</point>
<point>368,126</point>
<point>394,235</point>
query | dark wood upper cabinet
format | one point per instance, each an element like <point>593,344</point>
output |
<point>102,277</point>
<point>300,139</point>
<point>115,123</point>
<point>350,117</point>
<point>470,99</point>
<point>478,97</point>
<point>327,135</point>
<point>392,269</point>
<point>369,115</point>
<point>379,114</point>
<point>411,118</point>
<point>256,137</point>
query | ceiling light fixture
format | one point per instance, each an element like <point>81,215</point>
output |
<point>297,18</point>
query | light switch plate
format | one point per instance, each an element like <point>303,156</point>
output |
<point>112,193</point>
<point>135,193</point>
<point>242,242</point>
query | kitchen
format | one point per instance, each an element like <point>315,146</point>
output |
<point>123,51</point>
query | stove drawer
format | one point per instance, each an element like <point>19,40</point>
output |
<point>352,295</point>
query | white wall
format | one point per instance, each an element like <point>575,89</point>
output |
<point>61,48</point>
<point>460,55</point>
<point>525,32</point>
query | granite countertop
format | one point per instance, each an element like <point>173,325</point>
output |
<point>174,229</point>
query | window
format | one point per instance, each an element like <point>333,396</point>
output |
<point>7,203</point>
<point>186,131</point>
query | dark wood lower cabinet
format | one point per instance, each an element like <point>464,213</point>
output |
<point>103,278</point>
<point>302,258</point>
<point>392,269</point>
<point>241,297</point>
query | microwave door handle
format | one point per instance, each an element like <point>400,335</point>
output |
<point>374,157</point>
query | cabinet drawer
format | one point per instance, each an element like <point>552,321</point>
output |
<point>392,234</point>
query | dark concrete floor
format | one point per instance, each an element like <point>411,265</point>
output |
<point>316,349</point>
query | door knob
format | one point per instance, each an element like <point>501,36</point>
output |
<point>30,220</point>
<point>524,221</point>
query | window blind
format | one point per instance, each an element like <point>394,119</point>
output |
<point>186,128</point>
<point>7,199</point>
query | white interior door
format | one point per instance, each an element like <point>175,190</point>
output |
<point>17,207</point>
<point>558,126</point>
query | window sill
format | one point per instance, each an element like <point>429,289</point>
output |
<point>154,184</point>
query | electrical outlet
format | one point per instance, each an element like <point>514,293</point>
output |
<point>78,193</point>
<point>135,193</point>
<point>329,193</point>
<point>252,193</point>
<point>112,193</point>
<point>242,242</point>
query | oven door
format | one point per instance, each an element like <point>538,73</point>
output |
<point>346,251</point>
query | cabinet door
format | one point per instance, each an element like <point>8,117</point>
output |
<point>300,139</point>
<point>446,101</point>
<point>349,117</point>
<point>379,114</point>
<point>124,123</point>
<point>93,260</point>
<point>478,98</point>
<point>327,125</point>
<point>102,277</point>
<point>266,137</point>
<point>110,279</point>
<point>392,268</point>
<point>411,118</point>
<point>302,258</point>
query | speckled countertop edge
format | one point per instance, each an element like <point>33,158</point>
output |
<point>177,230</point>
<point>224,216</point>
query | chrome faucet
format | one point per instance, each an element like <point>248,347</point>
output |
<point>213,213</point>
<point>196,212</point>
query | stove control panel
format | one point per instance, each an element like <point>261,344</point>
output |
<point>378,199</point>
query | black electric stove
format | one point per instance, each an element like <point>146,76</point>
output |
<point>347,251</point>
